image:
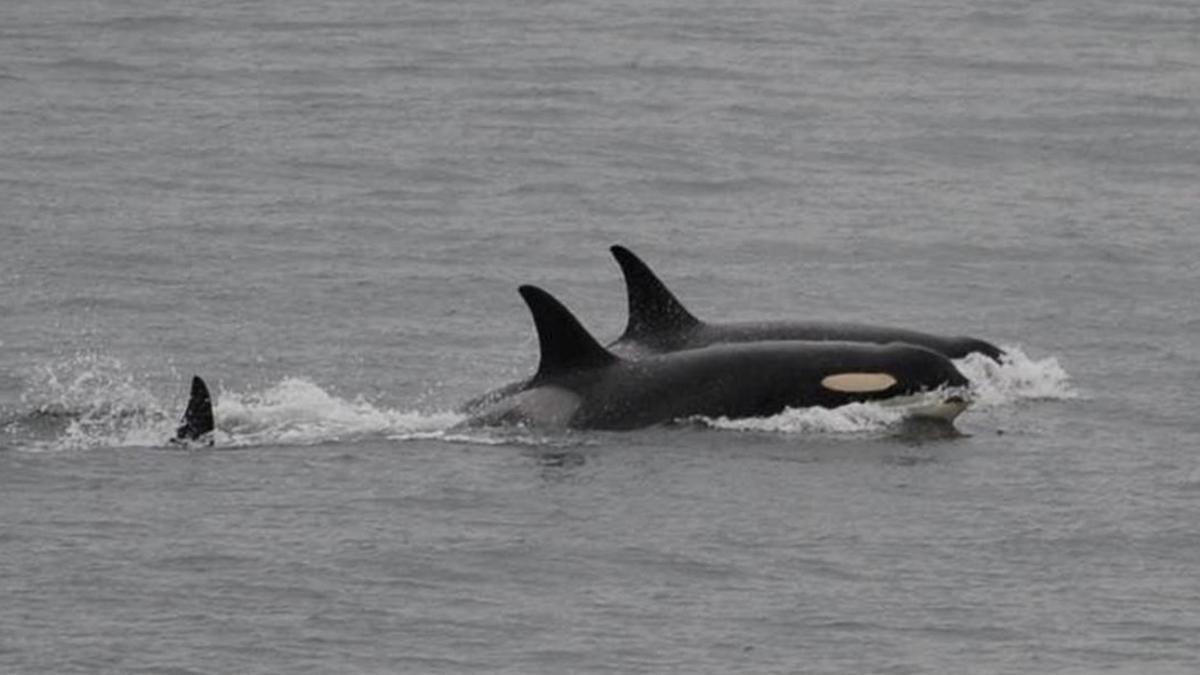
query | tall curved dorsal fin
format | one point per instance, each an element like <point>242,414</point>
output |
<point>198,418</point>
<point>652,308</point>
<point>565,344</point>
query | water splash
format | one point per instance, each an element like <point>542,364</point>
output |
<point>86,382</point>
<point>298,412</point>
<point>1016,378</point>
<point>94,401</point>
<point>86,400</point>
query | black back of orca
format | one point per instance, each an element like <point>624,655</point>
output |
<point>659,323</point>
<point>755,380</point>
<point>198,417</point>
<point>581,384</point>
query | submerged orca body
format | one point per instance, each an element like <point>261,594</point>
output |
<point>198,417</point>
<point>659,323</point>
<point>580,384</point>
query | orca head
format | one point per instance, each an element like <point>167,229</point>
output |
<point>960,347</point>
<point>936,390</point>
<point>905,370</point>
<point>927,370</point>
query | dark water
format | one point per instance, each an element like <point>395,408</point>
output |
<point>325,208</point>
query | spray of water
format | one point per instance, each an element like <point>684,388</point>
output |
<point>1016,378</point>
<point>93,401</point>
<point>298,412</point>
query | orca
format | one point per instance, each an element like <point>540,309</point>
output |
<point>580,384</point>
<point>659,323</point>
<point>197,423</point>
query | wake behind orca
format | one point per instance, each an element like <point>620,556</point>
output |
<point>580,384</point>
<point>659,323</point>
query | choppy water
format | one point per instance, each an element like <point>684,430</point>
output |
<point>325,209</point>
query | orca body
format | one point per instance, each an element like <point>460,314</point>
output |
<point>580,384</point>
<point>197,420</point>
<point>659,323</point>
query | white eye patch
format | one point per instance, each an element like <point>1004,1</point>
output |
<point>858,383</point>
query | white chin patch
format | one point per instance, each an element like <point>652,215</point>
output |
<point>858,383</point>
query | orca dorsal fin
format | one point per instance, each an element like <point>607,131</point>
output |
<point>198,418</point>
<point>565,344</point>
<point>653,310</point>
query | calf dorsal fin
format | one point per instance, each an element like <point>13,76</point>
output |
<point>653,310</point>
<point>198,418</point>
<point>565,344</point>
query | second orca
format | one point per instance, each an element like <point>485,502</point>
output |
<point>659,323</point>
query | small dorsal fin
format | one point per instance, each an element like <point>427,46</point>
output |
<point>565,343</point>
<point>653,310</point>
<point>198,418</point>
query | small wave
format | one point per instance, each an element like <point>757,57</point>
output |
<point>298,412</point>
<point>1016,378</point>
<point>94,401</point>
<point>855,418</point>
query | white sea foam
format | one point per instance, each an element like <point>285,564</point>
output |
<point>93,401</point>
<point>1016,378</point>
<point>854,418</point>
<point>299,412</point>
<point>96,399</point>
<point>86,383</point>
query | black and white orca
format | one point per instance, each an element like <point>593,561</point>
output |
<point>580,384</point>
<point>659,323</point>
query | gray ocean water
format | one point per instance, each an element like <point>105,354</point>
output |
<point>325,206</point>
